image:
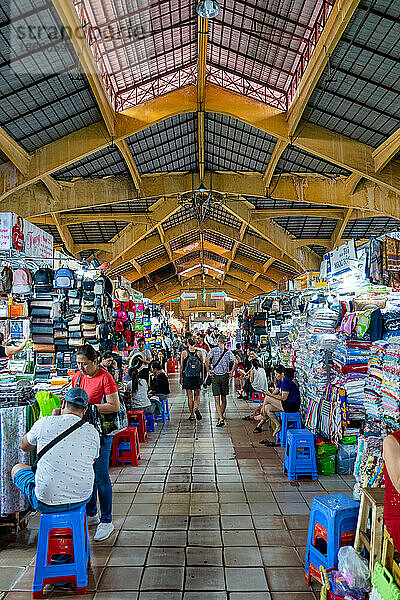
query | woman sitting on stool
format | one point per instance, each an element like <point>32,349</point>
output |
<point>137,390</point>
<point>284,398</point>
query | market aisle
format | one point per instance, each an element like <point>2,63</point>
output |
<point>208,515</point>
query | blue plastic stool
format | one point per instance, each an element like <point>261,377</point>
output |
<point>164,411</point>
<point>332,524</point>
<point>149,422</point>
<point>75,572</point>
<point>258,397</point>
<point>300,454</point>
<point>288,421</point>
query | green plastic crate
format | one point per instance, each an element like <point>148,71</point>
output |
<point>383,582</point>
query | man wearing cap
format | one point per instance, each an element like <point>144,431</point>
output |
<point>64,477</point>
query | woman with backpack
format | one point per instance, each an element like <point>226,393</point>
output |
<point>192,375</point>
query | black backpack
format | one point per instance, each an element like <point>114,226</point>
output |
<point>193,365</point>
<point>6,280</point>
<point>43,280</point>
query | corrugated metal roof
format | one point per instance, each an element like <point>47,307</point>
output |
<point>219,240</point>
<point>215,257</point>
<point>167,146</point>
<point>132,206</point>
<point>184,214</point>
<point>231,145</point>
<point>295,160</point>
<point>151,255</point>
<point>244,269</point>
<point>363,228</point>
<point>185,240</point>
<point>105,162</point>
<point>250,252</point>
<point>358,94</point>
<point>44,94</point>
<point>97,232</point>
<point>273,203</point>
<point>320,250</point>
<point>220,214</point>
<point>144,49</point>
<point>183,260</point>
<point>307,227</point>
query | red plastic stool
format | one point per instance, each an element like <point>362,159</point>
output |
<point>171,366</point>
<point>258,397</point>
<point>126,448</point>
<point>139,416</point>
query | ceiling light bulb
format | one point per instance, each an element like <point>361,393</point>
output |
<point>208,9</point>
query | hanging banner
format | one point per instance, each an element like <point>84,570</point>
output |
<point>189,296</point>
<point>218,295</point>
<point>341,259</point>
<point>20,235</point>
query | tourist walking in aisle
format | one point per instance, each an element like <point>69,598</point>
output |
<point>192,375</point>
<point>220,364</point>
<point>102,390</point>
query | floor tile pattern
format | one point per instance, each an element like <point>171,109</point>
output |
<point>207,515</point>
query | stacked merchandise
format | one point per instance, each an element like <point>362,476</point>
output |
<point>391,317</point>
<point>147,324</point>
<point>368,470</point>
<point>351,356</point>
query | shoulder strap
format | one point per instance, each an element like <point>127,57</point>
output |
<point>220,358</point>
<point>57,439</point>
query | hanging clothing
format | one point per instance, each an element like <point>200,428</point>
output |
<point>375,261</point>
<point>13,426</point>
<point>392,504</point>
<point>391,255</point>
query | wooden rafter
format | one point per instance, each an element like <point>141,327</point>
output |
<point>353,156</point>
<point>279,149</point>
<point>339,229</point>
<point>386,151</point>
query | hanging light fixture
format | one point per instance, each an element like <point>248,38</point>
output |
<point>208,9</point>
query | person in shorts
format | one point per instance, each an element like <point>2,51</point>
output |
<point>192,375</point>
<point>221,364</point>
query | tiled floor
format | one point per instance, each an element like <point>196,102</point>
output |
<point>208,515</point>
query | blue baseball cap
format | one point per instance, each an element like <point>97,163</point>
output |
<point>77,396</point>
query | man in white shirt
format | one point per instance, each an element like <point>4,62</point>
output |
<point>64,477</point>
<point>167,345</point>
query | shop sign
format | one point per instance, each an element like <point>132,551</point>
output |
<point>218,295</point>
<point>340,260</point>
<point>175,300</point>
<point>189,296</point>
<point>19,234</point>
<point>311,279</point>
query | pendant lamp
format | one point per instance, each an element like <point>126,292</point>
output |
<point>208,9</point>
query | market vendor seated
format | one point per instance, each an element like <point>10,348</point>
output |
<point>64,477</point>
<point>391,469</point>
<point>284,398</point>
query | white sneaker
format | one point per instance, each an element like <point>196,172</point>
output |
<point>93,520</point>
<point>103,531</point>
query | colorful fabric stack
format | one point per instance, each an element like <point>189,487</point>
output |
<point>368,470</point>
<point>373,384</point>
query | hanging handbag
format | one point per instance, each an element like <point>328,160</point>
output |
<point>106,424</point>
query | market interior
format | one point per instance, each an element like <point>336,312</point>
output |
<point>172,172</point>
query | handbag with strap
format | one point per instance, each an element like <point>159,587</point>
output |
<point>106,424</point>
<point>209,378</point>
<point>57,439</point>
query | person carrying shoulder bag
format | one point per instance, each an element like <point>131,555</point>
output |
<point>62,478</point>
<point>221,364</point>
<point>103,393</point>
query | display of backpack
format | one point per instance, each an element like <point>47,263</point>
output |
<point>64,278</point>
<point>193,365</point>
<point>102,285</point>
<point>22,281</point>
<point>6,280</point>
<point>43,280</point>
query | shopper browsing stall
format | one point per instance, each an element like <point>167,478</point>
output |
<point>103,393</point>
<point>64,477</point>
<point>7,351</point>
<point>191,378</point>
<point>220,364</point>
<point>109,363</point>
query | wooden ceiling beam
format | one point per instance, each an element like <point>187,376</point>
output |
<point>339,229</point>
<point>384,153</point>
<point>336,148</point>
<point>202,25</point>
<point>279,149</point>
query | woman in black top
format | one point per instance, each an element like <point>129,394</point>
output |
<point>159,385</point>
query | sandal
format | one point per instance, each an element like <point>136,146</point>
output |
<point>220,423</point>
<point>257,430</point>
<point>191,418</point>
<point>248,418</point>
<point>269,444</point>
